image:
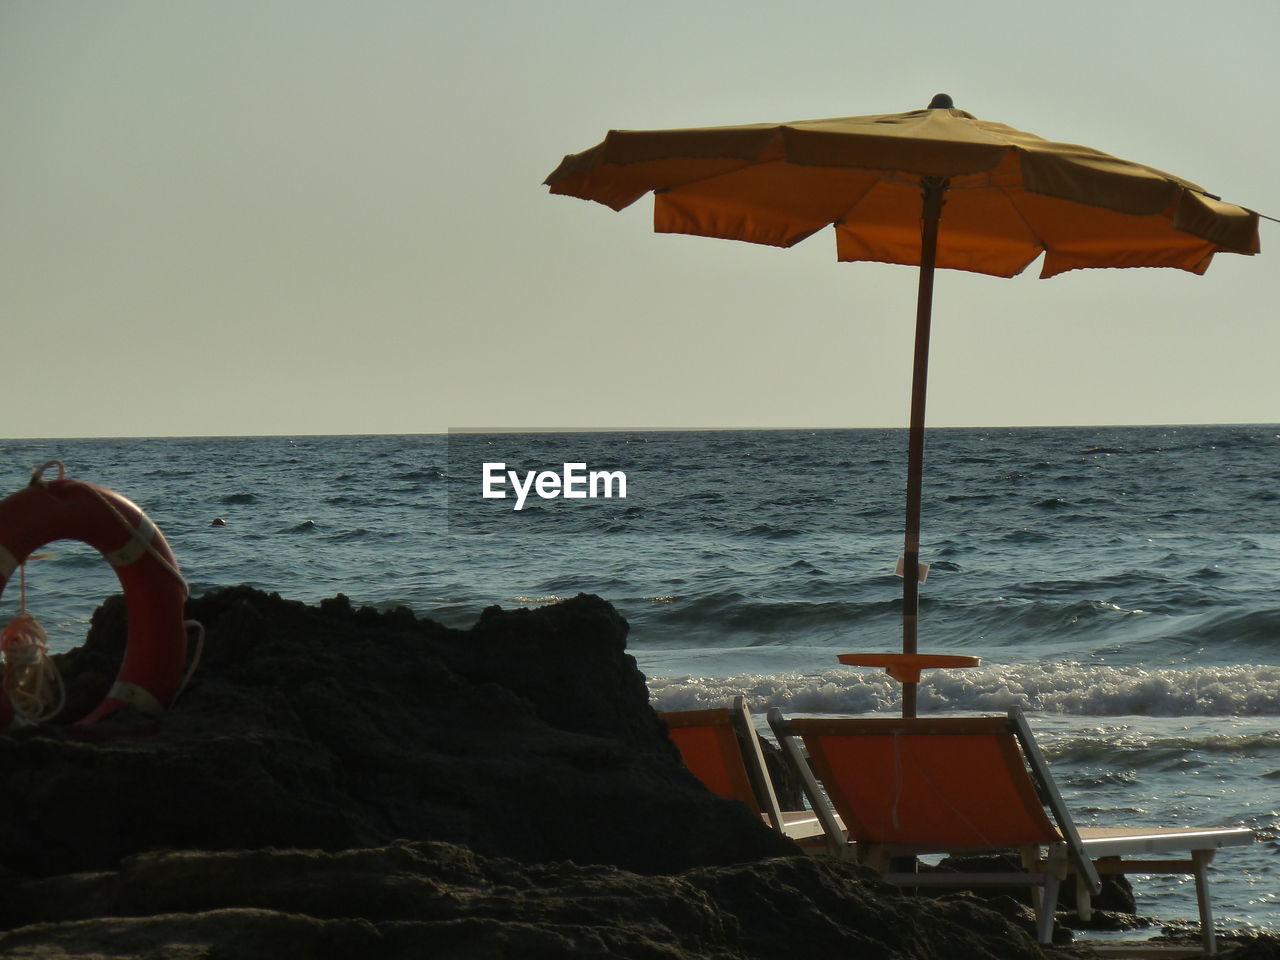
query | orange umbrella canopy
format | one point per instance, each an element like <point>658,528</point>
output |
<point>1010,196</point>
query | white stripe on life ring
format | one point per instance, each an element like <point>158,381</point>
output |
<point>135,546</point>
<point>136,696</point>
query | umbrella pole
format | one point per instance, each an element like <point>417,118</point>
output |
<point>933,190</point>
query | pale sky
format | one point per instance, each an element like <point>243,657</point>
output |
<point>226,217</point>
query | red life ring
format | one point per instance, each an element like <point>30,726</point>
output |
<point>154,590</point>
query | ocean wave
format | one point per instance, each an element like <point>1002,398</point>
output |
<point>731,614</point>
<point>971,498</point>
<point>817,608</point>
<point>1066,688</point>
<point>536,601</point>
<point>769,532</point>
<point>1257,628</point>
<point>1025,535</point>
<point>424,473</point>
<point>1125,746</point>
<point>359,533</point>
<point>65,556</point>
<point>377,500</point>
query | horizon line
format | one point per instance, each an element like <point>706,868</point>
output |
<point>473,431</point>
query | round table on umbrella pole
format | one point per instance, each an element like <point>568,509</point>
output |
<point>906,668</point>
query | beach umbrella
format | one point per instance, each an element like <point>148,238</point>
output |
<point>934,188</point>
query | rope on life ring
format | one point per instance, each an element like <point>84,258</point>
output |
<point>29,680</point>
<point>154,669</point>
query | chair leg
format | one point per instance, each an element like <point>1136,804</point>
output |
<point>1032,863</point>
<point>1048,906</point>
<point>1199,861</point>
<point>1084,901</point>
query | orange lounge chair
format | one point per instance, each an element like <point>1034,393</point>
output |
<point>926,785</point>
<point>720,747</point>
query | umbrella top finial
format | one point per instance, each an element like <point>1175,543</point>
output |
<point>941,101</point>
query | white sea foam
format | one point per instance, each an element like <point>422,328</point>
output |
<point>1058,688</point>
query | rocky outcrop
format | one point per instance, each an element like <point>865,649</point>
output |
<point>414,899</point>
<point>353,783</point>
<point>528,736</point>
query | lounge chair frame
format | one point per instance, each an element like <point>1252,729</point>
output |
<point>1050,846</point>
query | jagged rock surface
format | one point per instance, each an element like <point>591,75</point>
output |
<point>528,736</point>
<point>428,899</point>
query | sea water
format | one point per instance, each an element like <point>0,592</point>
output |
<point>1119,584</point>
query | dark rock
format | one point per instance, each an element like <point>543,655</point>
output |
<point>1251,946</point>
<point>426,899</point>
<point>334,727</point>
<point>786,783</point>
<point>1107,920</point>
